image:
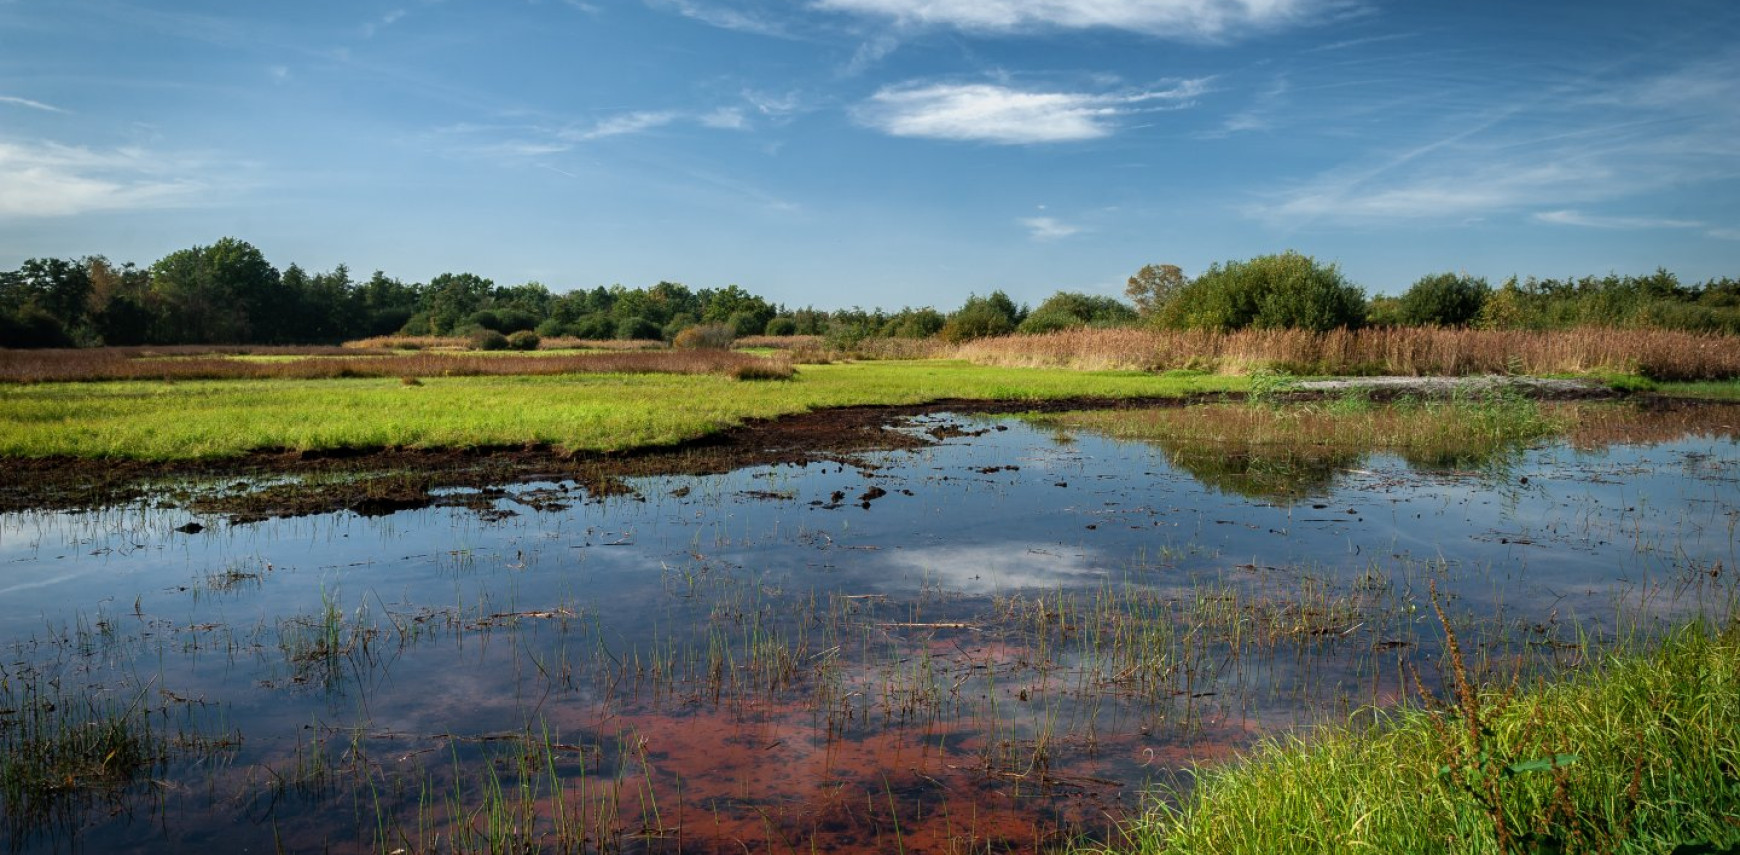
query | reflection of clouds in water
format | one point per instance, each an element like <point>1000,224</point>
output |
<point>982,569</point>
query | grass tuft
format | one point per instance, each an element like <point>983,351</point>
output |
<point>1639,755</point>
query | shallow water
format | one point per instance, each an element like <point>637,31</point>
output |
<point>1001,640</point>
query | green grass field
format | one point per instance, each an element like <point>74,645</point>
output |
<point>150,420</point>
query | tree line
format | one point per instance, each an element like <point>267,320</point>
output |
<point>227,293</point>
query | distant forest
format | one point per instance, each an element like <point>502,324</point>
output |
<point>227,293</point>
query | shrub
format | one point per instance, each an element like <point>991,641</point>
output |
<point>1289,290</point>
<point>704,337</point>
<point>781,327</point>
<point>488,340</point>
<point>914,323</point>
<point>32,328</point>
<point>524,340</point>
<point>1044,320</point>
<point>514,320</point>
<point>1444,299</point>
<point>552,328</point>
<point>595,326</point>
<point>486,319</point>
<point>638,328</point>
<point>746,323</point>
<point>418,325</point>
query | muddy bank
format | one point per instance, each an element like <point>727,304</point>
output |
<point>374,481</point>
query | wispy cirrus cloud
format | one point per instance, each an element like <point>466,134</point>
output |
<point>636,122</point>
<point>45,179</point>
<point>984,112</point>
<point>371,28</point>
<point>1569,217</point>
<point>1194,20</point>
<point>1587,141</point>
<point>724,16</point>
<point>1048,228</point>
<point>16,101</point>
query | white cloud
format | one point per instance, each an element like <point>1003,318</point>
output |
<point>26,102</point>
<point>1048,228</point>
<point>385,21</point>
<point>723,17</point>
<point>725,119</point>
<point>1577,218</point>
<point>51,180</point>
<point>1182,19</point>
<point>627,123</point>
<point>999,114</point>
<point>1570,217</point>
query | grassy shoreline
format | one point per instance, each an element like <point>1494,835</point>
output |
<point>1641,754</point>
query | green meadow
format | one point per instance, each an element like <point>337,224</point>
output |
<point>203,420</point>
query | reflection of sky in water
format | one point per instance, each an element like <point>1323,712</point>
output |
<point>1560,523</point>
<point>1005,513</point>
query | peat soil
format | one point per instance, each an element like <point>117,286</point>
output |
<point>376,481</point>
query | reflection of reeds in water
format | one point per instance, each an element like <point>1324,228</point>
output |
<point>1292,451</point>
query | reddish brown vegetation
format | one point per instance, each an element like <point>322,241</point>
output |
<point>1660,354</point>
<point>95,364</point>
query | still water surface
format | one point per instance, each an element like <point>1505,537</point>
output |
<point>1000,641</point>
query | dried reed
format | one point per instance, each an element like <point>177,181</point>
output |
<point>98,364</point>
<point>1660,354</point>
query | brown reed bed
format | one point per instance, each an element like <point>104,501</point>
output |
<point>170,364</point>
<point>1658,354</point>
<point>778,342</point>
<point>444,342</point>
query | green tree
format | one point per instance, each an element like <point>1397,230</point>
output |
<point>1269,291</point>
<point>745,313</point>
<point>56,289</point>
<point>221,293</point>
<point>981,317</point>
<point>1066,309</point>
<point>1444,299</point>
<point>451,298</point>
<point>1154,286</point>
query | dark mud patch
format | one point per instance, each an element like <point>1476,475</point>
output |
<point>378,481</point>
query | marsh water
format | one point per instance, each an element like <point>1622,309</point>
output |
<point>1005,640</point>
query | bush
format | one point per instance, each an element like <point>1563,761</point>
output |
<point>32,328</point>
<point>704,337</point>
<point>1444,299</point>
<point>524,340</point>
<point>488,340</point>
<point>552,328</point>
<point>1084,308</point>
<point>418,325</point>
<point>1044,320</point>
<point>914,323</point>
<point>1289,290</point>
<point>486,319</point>
<point>746,323</point>
<point>781,327</point>
<point>638,328</point>
<point>595,326</point>
<point>514,320</point>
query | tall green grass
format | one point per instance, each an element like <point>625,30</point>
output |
<point>1640,754</point>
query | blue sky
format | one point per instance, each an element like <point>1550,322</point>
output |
<point>877,152</point>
